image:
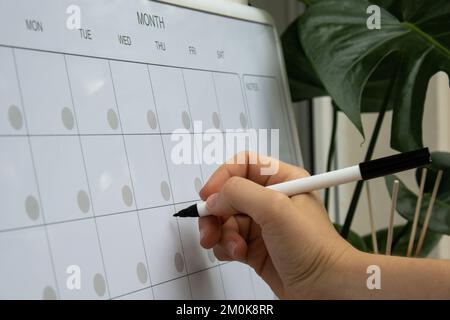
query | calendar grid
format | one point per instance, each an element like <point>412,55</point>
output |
<point>244,98</point>
<point>97,134</point>
<point>170,181</point>
<point>99,216</point>
<point>131,179</point>
<point>122,60</point>
<point>170,280</point>
<point>92,165</point>
<point>201,171</point>
<point>95,215</point>
<point>250,120</point>
<point>217,102</point>
<point>57,293</point>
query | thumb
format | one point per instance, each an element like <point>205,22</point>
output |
<point>239,195</point>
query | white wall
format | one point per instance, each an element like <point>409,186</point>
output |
<point>438,129</point>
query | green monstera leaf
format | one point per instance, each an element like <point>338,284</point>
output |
<point>406,204</point>
<point>377,86</point>
<point>440,161</point>
<point>305,84</point>
<point>303,81</point>
<point>306,2</point>
<point>345,53</point>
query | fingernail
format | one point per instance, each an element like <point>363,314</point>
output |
<point>212,200</point>
<point>231,248</point>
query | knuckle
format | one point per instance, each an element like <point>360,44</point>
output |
<point>238,158</point>
<point>243,154</point>
<point>218,253</point>
<point>303,172</point>
<point>277,201</point>
<point>298,173</point>
<point>231,185</point>
<point>201,222</point>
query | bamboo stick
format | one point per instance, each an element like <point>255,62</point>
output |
<point>417,213</point>
<point>391,217</point>
<point>423,233</point>
<point>371,219</point>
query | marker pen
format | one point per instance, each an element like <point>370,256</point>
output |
<point>363,171</point>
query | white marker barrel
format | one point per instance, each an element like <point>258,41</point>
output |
<point>201,208</point>
<point>307,184</point>
<point>317,182</point>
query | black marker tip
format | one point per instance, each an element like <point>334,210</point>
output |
<point>191,212</point>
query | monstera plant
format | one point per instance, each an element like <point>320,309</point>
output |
<point>376,56</point>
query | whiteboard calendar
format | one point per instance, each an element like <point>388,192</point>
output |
<point>87,186</point>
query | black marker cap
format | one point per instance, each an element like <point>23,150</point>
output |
<point>396,163</point>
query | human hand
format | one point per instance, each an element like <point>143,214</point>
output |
<point>289,242</point>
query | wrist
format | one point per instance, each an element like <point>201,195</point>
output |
<point>335,278</point>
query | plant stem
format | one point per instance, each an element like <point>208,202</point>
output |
<point>359,185</point>
<point>373,140</point>
<point>331,152</point>
<point>400,234</point>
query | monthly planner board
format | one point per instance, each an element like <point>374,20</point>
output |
<point>90,94</point>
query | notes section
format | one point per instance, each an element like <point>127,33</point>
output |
<point>265,103</point>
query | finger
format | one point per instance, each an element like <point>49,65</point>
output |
<point>246,231</point>
<point>210,231</point>
<point>239,195</point>
<point>251,166</point>
<point>221,254</point>
<point>232,243</point>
